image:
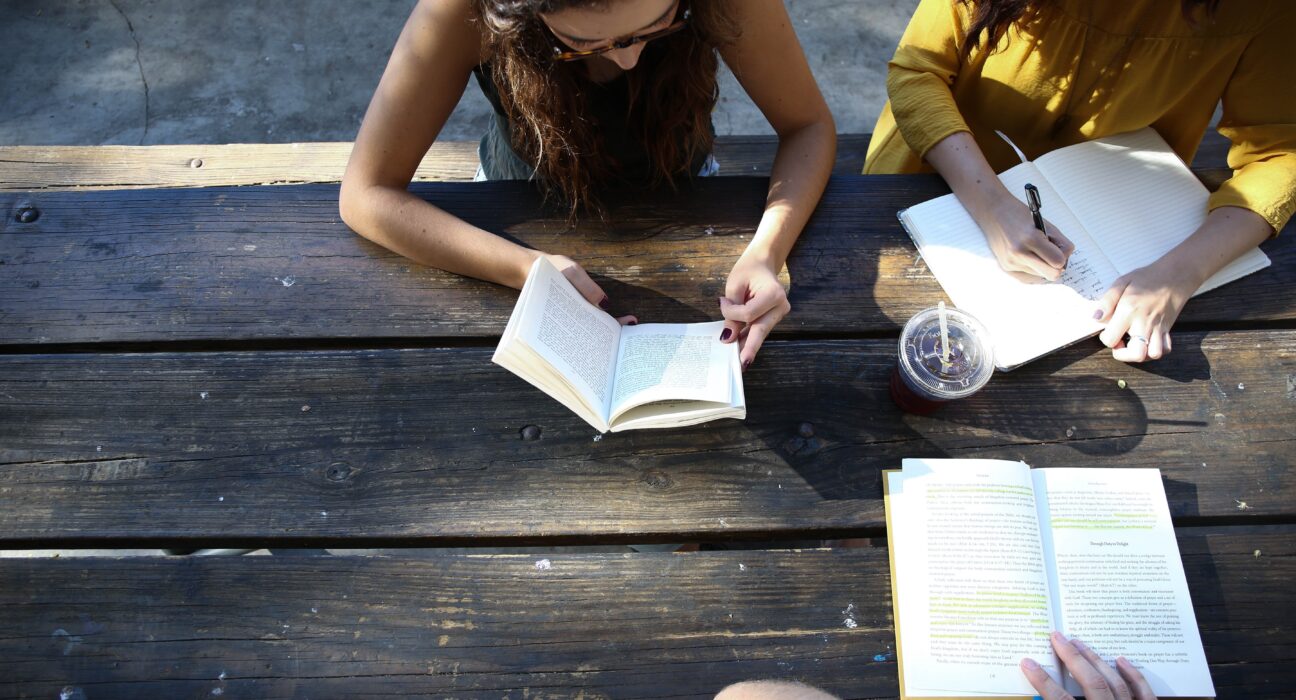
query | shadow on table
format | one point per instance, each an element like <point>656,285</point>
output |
<point>844,430</point>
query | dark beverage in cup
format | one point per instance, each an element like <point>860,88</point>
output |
<point>926,376</point>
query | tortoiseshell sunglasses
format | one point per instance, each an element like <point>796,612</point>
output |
<point>571,55</point>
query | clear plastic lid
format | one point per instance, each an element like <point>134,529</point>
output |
<point>971,354</point>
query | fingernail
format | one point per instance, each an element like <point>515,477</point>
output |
<point>746,364</point>
<point>1098,315</point>
<point>1058,636</point>
<point>726,334</point>
<point>1030,664</point>
<point>603,304</point>
<point>632,323</point>
<point>1079,644</point>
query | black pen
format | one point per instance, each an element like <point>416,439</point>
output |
<point>1033,201</point>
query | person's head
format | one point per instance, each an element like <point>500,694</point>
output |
<point>540,52</point>
<point>991,18</point>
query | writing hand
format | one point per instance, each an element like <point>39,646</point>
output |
<point>1019,246</point>
<point>754,302</point>
<point>1098,680</point>
<point>587,287</point>
<point>1143,304</point>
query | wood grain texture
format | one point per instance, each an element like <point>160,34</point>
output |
<point>424,446</point>
<point>610,625</point>
<point>202,165</point>
<point>207,165</point>
<point>274,263</point>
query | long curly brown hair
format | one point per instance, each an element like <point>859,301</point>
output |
<point>991,18</point>
<point>672,93</point>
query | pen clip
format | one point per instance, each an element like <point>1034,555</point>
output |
<point>1033,197</point>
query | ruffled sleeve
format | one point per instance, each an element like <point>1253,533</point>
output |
<point>921,72</point>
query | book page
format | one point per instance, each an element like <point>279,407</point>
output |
<point>1131,192</point>
<point>675,414</point>
<point>1119,582</point>
<point>672,361</point>
<point>1026,320</point>
<point>579,340</point>
<point>973,595</point>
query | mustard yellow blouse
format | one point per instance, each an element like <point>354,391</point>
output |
<point>1085,69</point>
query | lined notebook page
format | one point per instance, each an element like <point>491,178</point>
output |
<point>1025,320</point>
<point>1136,198</point>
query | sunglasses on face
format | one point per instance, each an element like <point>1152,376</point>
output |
<point>572,55</point>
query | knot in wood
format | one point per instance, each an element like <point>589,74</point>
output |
<point>798,446</point>
<point>27,215</point>
<point>806,430</point>
<point>338,471</point>
<point>530,432</point>
<point>657,480</point>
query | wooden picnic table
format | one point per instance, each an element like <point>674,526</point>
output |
<point>230,366</point>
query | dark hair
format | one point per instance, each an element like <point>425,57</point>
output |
<point>993,17</point>
<point>670,100</point>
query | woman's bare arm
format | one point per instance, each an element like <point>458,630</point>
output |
<point>768,61</point>
<point>424,79</point>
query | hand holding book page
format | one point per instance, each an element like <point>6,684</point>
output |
<point>618,377</point>
<point>989,557</point>
<point>1097,679</point>
<point>1118,586</point>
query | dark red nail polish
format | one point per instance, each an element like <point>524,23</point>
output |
<point>603,304</point>
<point>746,364</point>
<point>632,323</point>
<point>726,334</point>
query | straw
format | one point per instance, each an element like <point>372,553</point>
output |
<point>945,348</point>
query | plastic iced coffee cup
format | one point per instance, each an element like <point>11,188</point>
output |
<point>926,377</point>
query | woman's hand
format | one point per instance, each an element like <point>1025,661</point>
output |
<point>1143,304</point>
<point>1019,247</point>
<point>1098,680</point>
<point>754,302</point>
<point>585,285</point>
<point>1008,224</point>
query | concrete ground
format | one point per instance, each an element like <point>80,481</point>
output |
<point>90,72</point>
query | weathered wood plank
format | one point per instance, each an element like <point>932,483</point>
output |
<point>202,165</point>
<point>424,446</point>
<point>614,626</point>
<point>235,264</point>
<point>208,165</point>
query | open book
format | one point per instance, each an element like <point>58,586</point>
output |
<point>653,375</point>
<point>1124,201</point>
<point>988,557</point>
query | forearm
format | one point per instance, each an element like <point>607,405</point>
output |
<point>959,160</point>
<point>1227,233</point>
<point>409,226</point>
<point>801,169</point>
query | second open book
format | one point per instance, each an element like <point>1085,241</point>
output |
<point>653,375</point>
<point>988,557</point>
<point>1124,201</point>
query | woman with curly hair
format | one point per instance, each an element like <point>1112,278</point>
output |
<point>587,93</point>
<point>1051,73</point>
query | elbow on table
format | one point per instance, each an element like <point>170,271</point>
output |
<point>353,201</point>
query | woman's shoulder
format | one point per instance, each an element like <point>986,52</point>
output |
<point>456,21</point>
